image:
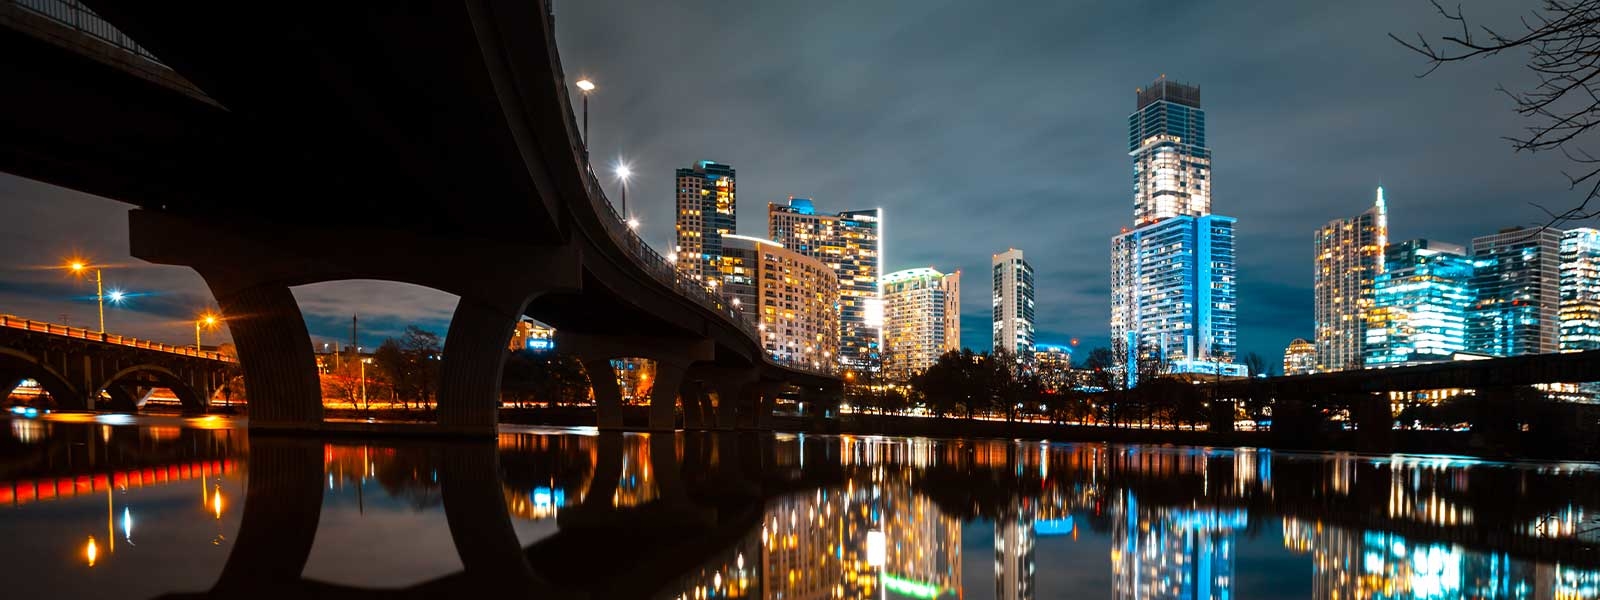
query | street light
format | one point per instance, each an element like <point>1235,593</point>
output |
<point>585,86</point>
<point>623,173</point>
<point>207,320</point>
<point>79,266</point>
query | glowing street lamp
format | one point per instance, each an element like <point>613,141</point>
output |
<point>78,266</point>
<point>585,86</point>
<point>206,320</point>
<point>623,173</point>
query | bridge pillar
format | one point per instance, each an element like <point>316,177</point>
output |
<point>475,350</point>
<point>664,395</point>
<point>607,393</point>
<point>275,354</point>
<point>1221,415</point>
<point>672,357</point>
<point>696,405</point>
<point>1374,421</point>
<point>766,401</point>
<point>728,385</point>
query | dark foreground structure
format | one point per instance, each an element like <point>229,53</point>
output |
<point>433,145</point>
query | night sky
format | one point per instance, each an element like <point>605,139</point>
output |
<point>976,130</point>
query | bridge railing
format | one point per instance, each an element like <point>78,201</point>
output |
<point>15,322</point>
<point>78,17</point>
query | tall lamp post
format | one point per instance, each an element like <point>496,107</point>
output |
<point>585,86</point>
<point>623,173</point>
<point>78,266</point>
<point>207,320</point>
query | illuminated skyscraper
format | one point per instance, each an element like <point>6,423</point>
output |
<point>1419,304</point>
<point>1300,358</point>
<point>1580,290</point>
<point>1013,304</point>
<point>1349,254</point>
<point>707,210</point>
<point>1173,296</point>
<point>791,298</point>
<point>1171,163</point>
<point>917,303</point>
<point>1516,276</point>
<point>849,244</point>
<point>1172,277</point>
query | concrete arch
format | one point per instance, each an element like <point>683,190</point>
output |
<point>191,398</point>
<point>62,392</point>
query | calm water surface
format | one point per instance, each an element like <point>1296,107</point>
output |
<point>148,507</point>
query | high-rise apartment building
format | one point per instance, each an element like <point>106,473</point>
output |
<point>1174,298</point>
<point>707,210</point>
<point>916,304</point>
<point>1516,278</point>
<point>1172,277</point>
<point>1171,163</point>
<point>1419,304</point>
<point>1013,304</point>
<point>1349,254</point>
<point>952,311</point>
<point>1300,358</point>
<point>848,242</point>
<point>1580,290</point>
<point>791,298</point>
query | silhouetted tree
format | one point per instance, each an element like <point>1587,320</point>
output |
<point>1560,39</point>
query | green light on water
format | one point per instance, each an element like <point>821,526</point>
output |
<point>906,587</point>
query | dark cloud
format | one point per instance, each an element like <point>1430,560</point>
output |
<point>979,128</point>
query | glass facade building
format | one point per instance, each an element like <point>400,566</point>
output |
<point>1349,255</point>
<point>1419,304</point>
<point>917,304</point>
<point>707,210</point>
<point>1516,276</point>
<point>1013,304</point>
<point>848,243</point>
<point>1172,276</point>
<point>1173,296</point>
<point>1580,290</point>
<point>1171,163</point>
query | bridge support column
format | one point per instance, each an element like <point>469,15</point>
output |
<point>672,357</point>
<point>728,385</point>
<point>664,395</point>
<point>475,352</point>
<point>1221,415</point>
<point>766,401</point>
<point>696,405</point>
<point>275,354</point>
<point>1374,421</point>
<point>607,394</point>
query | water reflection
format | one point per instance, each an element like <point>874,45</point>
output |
<point>787,516</point>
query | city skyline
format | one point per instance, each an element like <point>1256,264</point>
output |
<point>1447,158</point>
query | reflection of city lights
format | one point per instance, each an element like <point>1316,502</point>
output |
<point>216,501</point>
<point>877,549</point>
<point>127,525</point>
<point>91,551</point>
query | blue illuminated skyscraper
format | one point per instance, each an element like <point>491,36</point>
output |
<point>1516,276</point>
<point>1419,304</point>
<point>1173,294</point>
<point>1580,290</point>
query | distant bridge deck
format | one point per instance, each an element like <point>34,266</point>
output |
<point>79,333</point>
<point>1567,367</point>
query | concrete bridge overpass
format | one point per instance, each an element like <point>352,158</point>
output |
<point>434,145</point>
<point>76,366</point>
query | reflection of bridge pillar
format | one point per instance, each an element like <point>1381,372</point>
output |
<point>664,466</point>
<point>480,524</point>
<point>607,394</point>
<point>607,470</point>
<point>475,352</point>
<point>278,524</point>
